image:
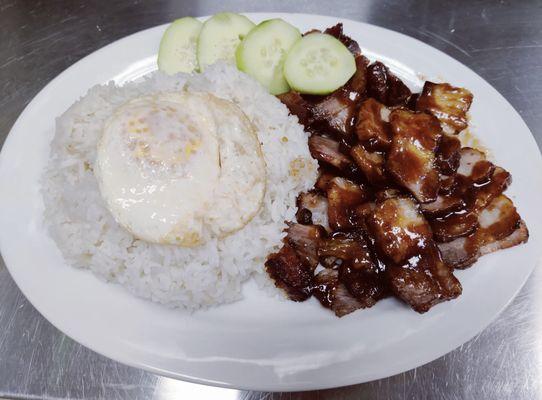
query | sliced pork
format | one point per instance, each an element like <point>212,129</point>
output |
<point>446,102</point>
<point>411,159</point>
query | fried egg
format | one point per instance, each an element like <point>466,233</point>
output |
<point>180,168</point>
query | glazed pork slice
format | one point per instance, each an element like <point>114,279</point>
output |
<point>360,214</point>
<point>368,286</point>
<point>335,113</point>
<point>385,87</point>
<point>324,178</point>
<point>327,150</point>
<point>472,163</point>
<point>424,281</point>
<point>448,103</point>
<point>480,180</point>
<point>290,273</point>
<point>498,220</point>
<point>476,182</point>
<point>412,100</point>
<point>343,196</point>
<point>357,85</point>
<point>297,106</point>
<point>317,205</point>
<point>399,228</point>
<point>372,127</point>
<point>517,237</point>
<point>500,227</point>
<point>371,164</point>
<point>389,193</point>
<point>416,273</point>
<point>333,294</point>
<point>443,205</point>
<point>358,267</point>
<point>350,247</point>
<point>306,240</point>
<point>454,225</point>
<point>480,195</point>
<point>411,159</point>
<point>448,154</point>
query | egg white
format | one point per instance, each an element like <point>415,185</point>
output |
<point>180,168</point>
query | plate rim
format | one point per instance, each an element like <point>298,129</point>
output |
<point>205,381</point>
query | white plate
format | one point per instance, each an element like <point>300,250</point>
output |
<point>260,343</point>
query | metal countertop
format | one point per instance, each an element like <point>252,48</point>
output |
<point>500,40</point>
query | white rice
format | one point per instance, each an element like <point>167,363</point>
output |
<point>89,237</point>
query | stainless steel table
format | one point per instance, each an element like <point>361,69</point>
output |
<point>502,41</point>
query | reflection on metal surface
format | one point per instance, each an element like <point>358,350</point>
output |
<point>171,389</point>
<point>502,41</point>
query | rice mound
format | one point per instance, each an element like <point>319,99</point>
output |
<point>89,237</point>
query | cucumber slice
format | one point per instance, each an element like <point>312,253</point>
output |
<point>262,52</point>
<point>278,83</point>
<point>318,64</point>
<point>220,36</point>
<point>177,51</point>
